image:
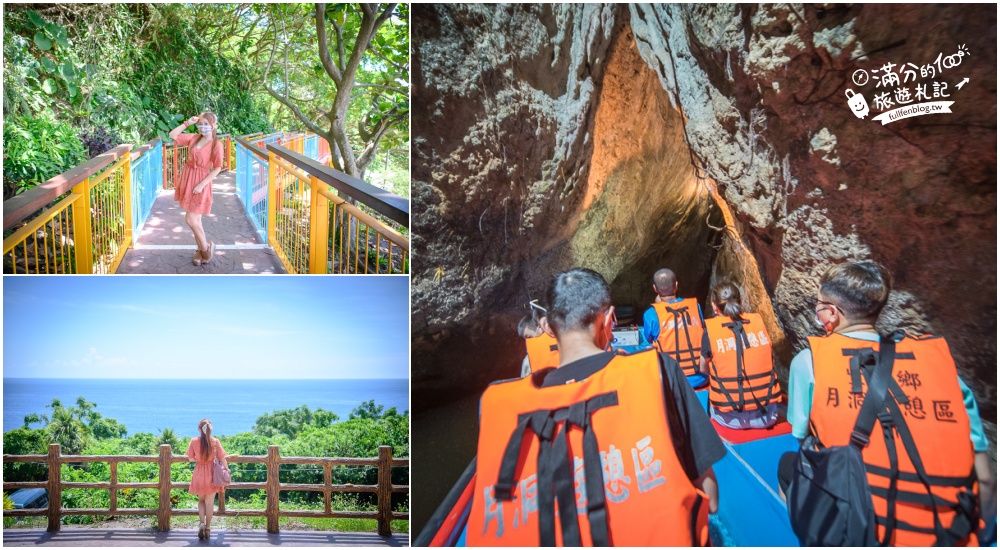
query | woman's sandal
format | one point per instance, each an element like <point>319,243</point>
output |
<point>197,258</point>
<point>201,531</point>
<point>209,254</point>
<point>208,533</point>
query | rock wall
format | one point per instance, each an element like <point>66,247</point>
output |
<point>763,89</point>
<point>615,136</point>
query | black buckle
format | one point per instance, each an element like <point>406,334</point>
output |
<point>859,439</point>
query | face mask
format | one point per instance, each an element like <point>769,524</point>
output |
<point>205,130</point>
<point>827,329</point>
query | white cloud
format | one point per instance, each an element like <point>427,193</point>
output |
<point>94,359</point>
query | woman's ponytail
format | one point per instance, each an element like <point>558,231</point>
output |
<point>726,297</point>
<point>205,436</point>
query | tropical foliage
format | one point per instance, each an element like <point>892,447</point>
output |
<point>79,78</point>
<point>297,432</point>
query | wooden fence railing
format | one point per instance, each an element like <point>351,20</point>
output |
<point>272,487</point>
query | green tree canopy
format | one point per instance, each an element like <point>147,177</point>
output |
<point>338,70</point>
<point>291,422</point>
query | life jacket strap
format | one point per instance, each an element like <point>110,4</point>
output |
<point>555,470</point>
<point>689,363</point>
<point>938,481</point>
<point>742,343</point>
<point>966,515</point>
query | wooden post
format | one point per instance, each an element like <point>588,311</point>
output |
<point>82,235</point>
<point>384,490</point>
<point>163,513</point>
<point>327,482</point>
<point>55,484</point>
<point>113,496</point>
<point>273,487</point>
<point>175,165</point>
<point>163,170</point>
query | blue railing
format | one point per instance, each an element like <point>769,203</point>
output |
<point>251,187</point>
<point>147,179</point>
<point>311,147</point>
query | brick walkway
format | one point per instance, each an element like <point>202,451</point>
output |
<point>85,536</point>
<point>166,244</point>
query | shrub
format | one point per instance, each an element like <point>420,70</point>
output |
<point>36,149</point>
<point>99,140</point>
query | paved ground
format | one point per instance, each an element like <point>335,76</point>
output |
<point>166,244</point>
<point>84,536</point>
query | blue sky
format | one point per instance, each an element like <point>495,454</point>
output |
<point>206,327</point>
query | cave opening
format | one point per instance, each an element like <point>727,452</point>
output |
<point>647,206</point>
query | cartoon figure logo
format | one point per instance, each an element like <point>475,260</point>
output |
<point>857,103</point>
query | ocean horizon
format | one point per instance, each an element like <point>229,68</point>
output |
<point>233,406</point>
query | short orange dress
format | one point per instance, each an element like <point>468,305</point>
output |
<point>201,480</point>
<point>199,163</point>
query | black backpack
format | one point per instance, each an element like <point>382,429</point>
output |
<point>829,499</point>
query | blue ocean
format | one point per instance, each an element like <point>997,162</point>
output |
<point>232,405</point>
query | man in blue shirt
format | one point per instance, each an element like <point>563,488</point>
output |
<point>675,326</point>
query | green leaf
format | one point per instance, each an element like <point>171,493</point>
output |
<point>72,90</point>
<point>90,70</point>
<point>62,42</point>
<point>42,42</point>
<point>36,19</point>
<point>162,126</point>
<point>49,86</point>
<point>48,65</point>
<point>67,71</point>
<point>145,102</point>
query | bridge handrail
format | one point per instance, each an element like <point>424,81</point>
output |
<point>272,487</point>
<point>16,209</point>
<point>253,148</point>
<point>392,206</point>
<point>138,151</point>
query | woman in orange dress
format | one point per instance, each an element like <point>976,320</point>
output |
<point>203,450</point>
<point>194,186</point>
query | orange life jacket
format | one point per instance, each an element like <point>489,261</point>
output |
<point>543,352</point>
<point>742,375</point>
<point>681,328</point>
<point>614,480</point>
<point>928,399</point>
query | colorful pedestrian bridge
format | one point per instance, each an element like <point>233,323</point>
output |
<point>279,207</point>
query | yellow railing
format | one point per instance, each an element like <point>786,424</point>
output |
<point>313,230</point>
<point>272,487</point>
<point>87,231</point>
